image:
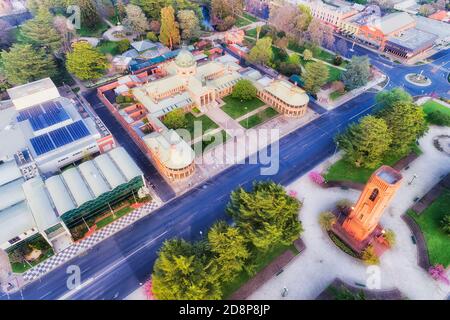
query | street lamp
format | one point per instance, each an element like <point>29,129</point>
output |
<point>414,177</point>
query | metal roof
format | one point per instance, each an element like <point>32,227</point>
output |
<point>94,178</point>
<point>15,221</point>
<point>11,194</point>
<point>125,163</point>
<point>109,170</point>
<point>76,185</point>
<point>59,194</point>
<point>9,171</point>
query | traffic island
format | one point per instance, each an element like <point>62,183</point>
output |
<point>418,79</point>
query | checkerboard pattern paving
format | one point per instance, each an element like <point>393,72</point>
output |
<point>79,247</point>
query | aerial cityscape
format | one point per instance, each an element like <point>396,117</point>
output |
<point>251,150</point>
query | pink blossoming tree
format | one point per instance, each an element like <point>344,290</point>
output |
<point>316,178</point>
<point>438,272</point>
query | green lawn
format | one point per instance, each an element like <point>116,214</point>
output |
<point>212,143</point>
<point>431,106</point>
<point>343,170</point>
<point>334,74</point>
<point>251,33</point>
<point>109,47</point>
<point>336,94</point>
<point>258,118</point>
<point>438,243</point>
<point>260,262</point>
<point>235,108</point>
<point>96,31</point>
<point>249,17</point>
<point>206,122</point>
<point>241,22</point>
<point>118,214</point>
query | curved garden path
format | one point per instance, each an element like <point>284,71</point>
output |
<point>311,272</point>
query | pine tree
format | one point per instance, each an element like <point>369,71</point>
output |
<point>169,34</point>
<point>89,14</point>
<point>23,64</point>
<point>407,123</point>
<point>315,76</point>
<point>86,62</point>
<point>40,32</point>
<point>357,73</point>
<point>229,247</point>
<point>184,271</point>
<point>365,143</point>
<point>267,216</point>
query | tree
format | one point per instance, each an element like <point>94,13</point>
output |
<point>406,122</point>
<point>169,33</point>
<point>365,143</point>
<point>152,36</point>
<point>225,24</point>
<point>89,15</point>
<point>183,271</point>
<point>289,19</point>
<point>369,256</point>
<point>244,90</point>
<point>315,76</point>
<point>262,52</point>
<point>357,73</point>
<point>155,25</point>
<point>175,119</point>
<point>152,8</point>
<point>123,45</point>
<point>307,55</point>
<point>86,62</point>
<point>267,216</point>
<point>135,19</point>
<point>220,9</point>
<point>326,220</point>
<point>189,24</point>
<point>41,33</point>
<point>23,64</point>
<point>229,248</point>
<point>386,99</point>
<point>66,31</point>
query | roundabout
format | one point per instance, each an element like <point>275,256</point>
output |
<point>418,79</point>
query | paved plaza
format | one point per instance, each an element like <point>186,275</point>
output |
<point>322,261</point>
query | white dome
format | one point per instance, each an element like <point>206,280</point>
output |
<point>185,59</point>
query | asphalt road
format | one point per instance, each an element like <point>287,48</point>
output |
<point>115,267</point>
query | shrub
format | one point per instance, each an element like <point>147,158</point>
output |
<point>316,177</point>
<point>438,272</point>
<point>152,36</point>
<point>307,55</point>
<point>438,118</point>
<point>445,224</point>
<point>341,245</point>
<point>288,69</point>
<point>344,204</point>
<point>337,60</point>
<point>123,45</point>
<point>338,86</point>
<point>389,236</point>
<point>326,220</point>
<point>369,256</point>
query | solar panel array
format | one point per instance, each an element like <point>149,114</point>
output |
<point>44,115</point>
<point>57,138</point>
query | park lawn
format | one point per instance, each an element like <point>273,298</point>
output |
<point>258,118</point>
<point>345,171</point>
<point>249,17</point>
<point>432,105</point>
<point>334,74</point>
<point>109,219</point>
<point>109,47</point>
<point>96,31</point>
<point>336,94</point>
<point>241,22</point>
<point>438,243</point>
<point>260,262</point>
<point>251,33</point>
<point>18,267</point>
<point>200,146</point>
<point>235,108</point>
<point>207,124</point>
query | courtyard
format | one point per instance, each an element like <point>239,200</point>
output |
<point>236,108</point>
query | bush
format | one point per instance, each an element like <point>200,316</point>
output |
<point>288,69</point>
<point>316,177</point>
<point>337,60</point>
<point>389,236</point>
<point>438,118</point>
<point>445,224</point>
<point>326,220</point>
<point>341,245</point>
<point>307,55</point>
<point>344,204</point>
<point>124,99</point>
<point>369,256</point>
<point>123,45</point>
<point>152,36</point>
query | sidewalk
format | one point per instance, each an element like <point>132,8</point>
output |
<point>87,243</point>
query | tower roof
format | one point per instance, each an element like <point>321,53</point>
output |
<point>185,59</point>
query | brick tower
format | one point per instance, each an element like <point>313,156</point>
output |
<point>378,192</point>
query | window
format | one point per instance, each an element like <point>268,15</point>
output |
<point>374,195</point>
